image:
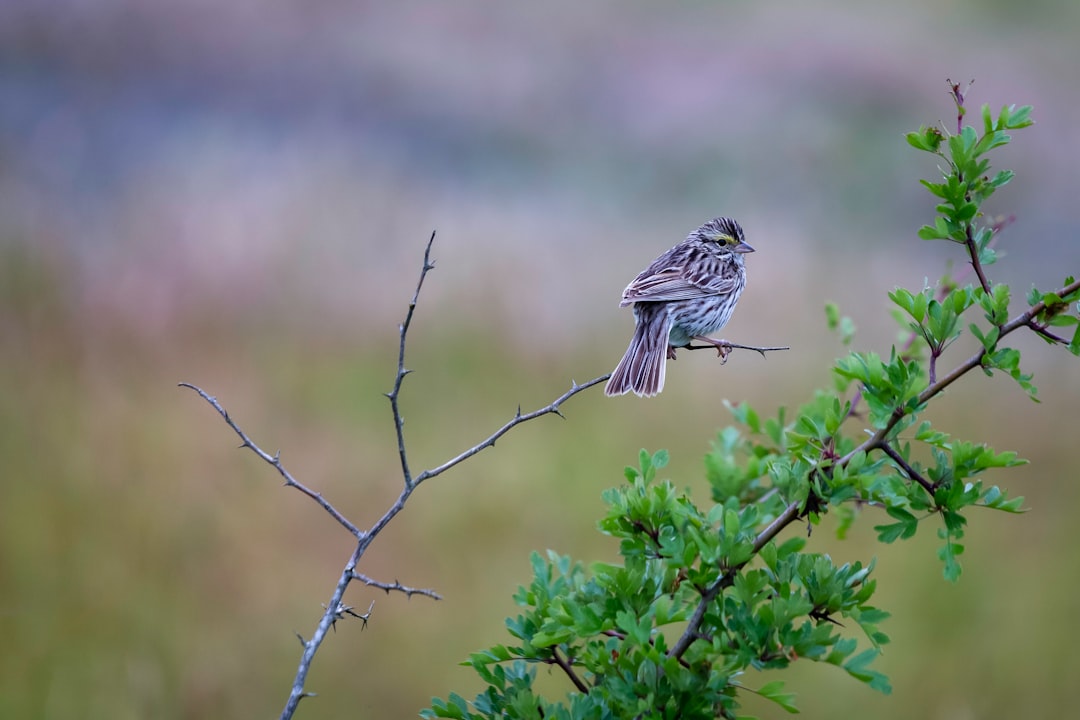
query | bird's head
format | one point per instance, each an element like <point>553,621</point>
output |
<point>726,233</point>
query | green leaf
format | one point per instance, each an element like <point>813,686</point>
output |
<point>775,691</point>
<point>858,668</point>
<point>1002,178</point>
<point>906,527</point>
<point>927,139</point>
<point>1017,117</point>
<point>989,340</point>
<point>948,553</point>
<point>832,315</point>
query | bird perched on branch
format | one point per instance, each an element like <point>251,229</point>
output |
<point>685,294</point>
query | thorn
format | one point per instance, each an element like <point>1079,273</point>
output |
<point>303,642</point>
<point>389,395</point>
<point>405,372</point>
<point>277,457</point>
<point>518,415</point>
<point>558,412</point>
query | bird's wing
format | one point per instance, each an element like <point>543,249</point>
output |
<point>675,283</point>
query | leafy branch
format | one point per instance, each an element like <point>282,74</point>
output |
<point>716,579</point>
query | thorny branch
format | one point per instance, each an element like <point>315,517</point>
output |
<point>275,460</point>
<point>409,591</point>
<point>730,346</point>
<point>336,609</point>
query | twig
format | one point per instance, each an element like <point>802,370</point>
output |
<point>569,670</point>
<point>275,460</point>
<point>1046,334</point>
<point>912,474</point>
<point>342,611</point>
<point>518,418</point>
<point>409,591</point>
<point>552,408</point>
<point>973,254</point>
<point>403,330</point>
<point>733,346</point>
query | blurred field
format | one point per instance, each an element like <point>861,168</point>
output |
<point>238,196</point>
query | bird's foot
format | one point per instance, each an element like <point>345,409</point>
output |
<point>670,352</point>
<point>723,347</point>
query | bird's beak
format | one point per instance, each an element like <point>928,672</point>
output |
<point>743,248</point>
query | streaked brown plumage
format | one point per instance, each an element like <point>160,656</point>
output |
<point>685,294</point>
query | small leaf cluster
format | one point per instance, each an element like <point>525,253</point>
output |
<point>967,182</point>
<point>708,594</point>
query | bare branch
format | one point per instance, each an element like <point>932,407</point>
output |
<point>403,330</point>
<point>329,618</point>
<point>336,609</point>
<point>732,346</point>
<point>519,418</point>
<point>275,460</point>
<point>409,591</point>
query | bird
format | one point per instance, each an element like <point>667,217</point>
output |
<point>685,294</point>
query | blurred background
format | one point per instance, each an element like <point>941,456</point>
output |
<point>238,194</point>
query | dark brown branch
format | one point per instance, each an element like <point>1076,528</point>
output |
<point>736,346</point>
<point>727,579</point>
<point>1046,334</point>
<point>912,474</point>
<point>973,255</point>
<point>569,670</point>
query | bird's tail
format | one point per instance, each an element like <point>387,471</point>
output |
<point>641,370</point>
